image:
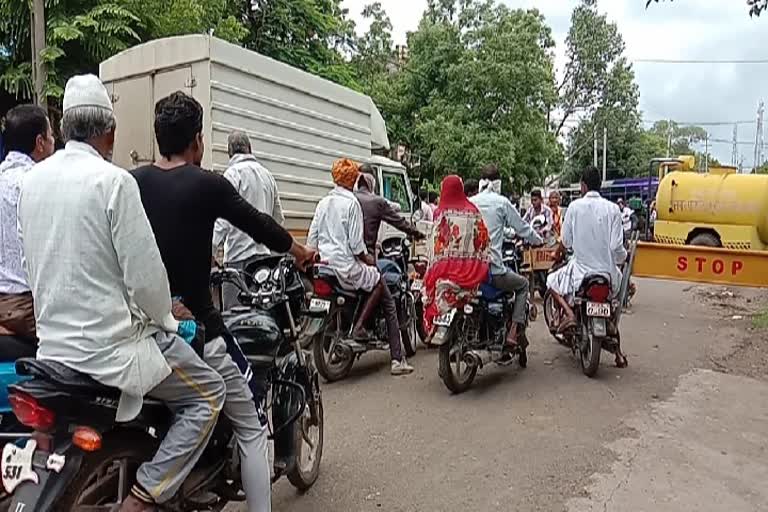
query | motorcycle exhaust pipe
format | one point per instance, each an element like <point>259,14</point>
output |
<point>479,358</point>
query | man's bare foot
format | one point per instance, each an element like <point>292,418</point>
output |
<point>567,323</point>
<point>621,360</point>
<point>512,336</point>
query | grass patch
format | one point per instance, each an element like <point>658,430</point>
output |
<point>760,321</point>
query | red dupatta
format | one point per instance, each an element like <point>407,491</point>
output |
<point>459,259</point>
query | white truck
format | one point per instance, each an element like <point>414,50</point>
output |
<point>298,123</point>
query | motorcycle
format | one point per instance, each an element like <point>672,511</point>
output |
<point>80,459</point>
<point>335,311</point>
<point>475,335</point>
<point>540,258</point>
<point>269,328</point>
<point>597,318</point>
<point>11,348</point>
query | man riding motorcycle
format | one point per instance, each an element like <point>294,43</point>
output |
<point>337,233</point>
<point>376,210</point>
<point>183,202</point>
<point>101,291</point>
<point>593,229</point>
<point>29,139</point>
<point>499,213</point>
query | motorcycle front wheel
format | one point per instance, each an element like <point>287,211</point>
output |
<point>308,444</point>
<point>411,322</point>
<point>419,315</point>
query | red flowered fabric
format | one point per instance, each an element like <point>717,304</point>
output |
<point>459,259</point>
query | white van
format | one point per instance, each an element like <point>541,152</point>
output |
<point>298,123</point>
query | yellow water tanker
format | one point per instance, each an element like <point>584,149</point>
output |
<point>718,209</point>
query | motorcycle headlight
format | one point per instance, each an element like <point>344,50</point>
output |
<point>261,275</point>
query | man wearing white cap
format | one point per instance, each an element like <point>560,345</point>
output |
<point>101,293</point>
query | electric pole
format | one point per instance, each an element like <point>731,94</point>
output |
<point>669,139</point>
<point>706,151</point>
<point>735,149</point>
<point>37,33</point>
<point>605,153</point>
<point>594,139</point>
<point>759,137</point>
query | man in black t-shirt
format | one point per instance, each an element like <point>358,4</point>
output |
<point>183,202</point>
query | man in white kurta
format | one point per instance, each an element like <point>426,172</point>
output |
<point>593,229</point>
<point>257,186</point>
<point>337,233</point>
<point>101,294</point>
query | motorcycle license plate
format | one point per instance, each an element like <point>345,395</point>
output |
<point>599,309</point>
<point>17,465</point>
<point>416,285</point>
<point>319,306</point>
<point>446,319</point>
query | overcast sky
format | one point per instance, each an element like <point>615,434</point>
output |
<point>682,29</point>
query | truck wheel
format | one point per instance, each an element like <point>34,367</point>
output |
<point>705,240</point>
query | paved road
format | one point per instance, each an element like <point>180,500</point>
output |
<point>520,439</point>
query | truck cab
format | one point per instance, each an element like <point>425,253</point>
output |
<point>394,185</point>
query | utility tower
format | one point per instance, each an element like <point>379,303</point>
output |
<point>759,139</point>
<point>735,150</point>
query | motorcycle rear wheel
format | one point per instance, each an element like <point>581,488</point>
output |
<point>306,467</point>
<point>589,355</point>
<point>105,477</point>
<point>457,375</point>
<point>331,370</point>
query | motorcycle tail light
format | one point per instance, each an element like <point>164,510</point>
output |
<point>420,267</point>
<point>87,439</point>
<point>30,413</point>
<point>322,288</point>
<point>598,292</point>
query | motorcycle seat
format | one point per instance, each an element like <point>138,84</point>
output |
<point>591,280</point>
<point>57,373</point>
<point>490,293</point>
<point>15,347</point>
<point>328,275</point>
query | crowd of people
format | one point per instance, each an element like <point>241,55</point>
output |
<point>102,268</point>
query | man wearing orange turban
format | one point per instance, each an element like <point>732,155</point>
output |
<point>345,173</point>
<point>337,233</point>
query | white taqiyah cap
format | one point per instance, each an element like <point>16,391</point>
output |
<point>86,91</point>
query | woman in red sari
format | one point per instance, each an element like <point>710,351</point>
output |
<point>459,258</point>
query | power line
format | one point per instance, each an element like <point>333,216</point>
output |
<point>700,123</point>
<point>701,61</point>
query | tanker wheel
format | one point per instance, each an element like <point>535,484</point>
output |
<point>706,240</point>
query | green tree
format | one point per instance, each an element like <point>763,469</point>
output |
<point>598,85</point>
<point>596,73</point>
<point>476,89</point>
<point>313,35</point>
<point>79,36</point>
<point>374,50</point>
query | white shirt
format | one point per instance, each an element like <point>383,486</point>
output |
<point>626,218</point>
<point>546,211</point>
<point>337,233</point>
<point>257,186</point>
<point>99,285</point>
<point>499,214</point>
<point>13,279</point>
<point>592,227</point>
